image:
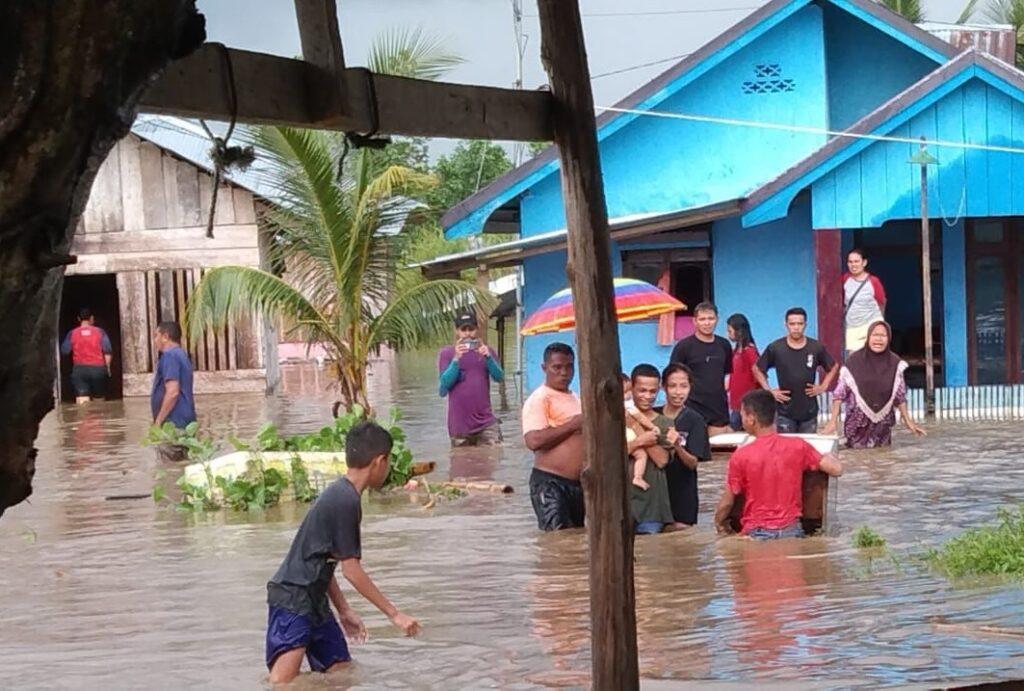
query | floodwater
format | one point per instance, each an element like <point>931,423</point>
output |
<point>127,594</point>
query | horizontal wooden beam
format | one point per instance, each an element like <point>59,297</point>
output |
<point>282,91</point>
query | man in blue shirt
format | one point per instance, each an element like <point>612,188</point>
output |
<point>172,399</point>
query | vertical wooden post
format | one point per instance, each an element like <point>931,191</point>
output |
<point>319,34</point>
<point>609,521</point>
<point>924,158</point>
<point>502,388</point>
<point>828,272</point>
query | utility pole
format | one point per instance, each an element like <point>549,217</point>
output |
<point>925,159</point>
<point>520,40</point>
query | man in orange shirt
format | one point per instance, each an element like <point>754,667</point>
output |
<point>552,429</point>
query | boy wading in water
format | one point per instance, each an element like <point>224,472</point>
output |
<point>636,423</point>
<point>300,622</point>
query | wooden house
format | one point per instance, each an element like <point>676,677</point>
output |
<point>142,247</point>
<point>744,173</point>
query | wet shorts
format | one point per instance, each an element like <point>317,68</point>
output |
<point>89,380</point>
<point>557,501</point>
<point>325,644</point>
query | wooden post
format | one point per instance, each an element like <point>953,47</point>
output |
<point>502,388</point>
<point>828,274</point>
<point>923,158</point>
<point>321,46</point>
<point>609,521</point>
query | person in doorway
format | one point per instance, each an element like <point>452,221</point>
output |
<point>466,370</point>
<point>796,359</point>
<point>172,399</point>
<point>744,358</point>
<point>650,504</point>
<point>863,300</point>
<point>91,357</point>
<point>769,474</point>
<point>552,430</point>
<point>871,389</point>
<point>299,596</point>
<point>709,357</point>
<point>690,446</point>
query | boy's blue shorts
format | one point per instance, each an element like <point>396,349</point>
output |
<point>325,644</point>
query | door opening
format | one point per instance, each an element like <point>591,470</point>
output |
<point>98,293</point>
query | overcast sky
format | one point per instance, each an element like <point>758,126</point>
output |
<point>619,35</point>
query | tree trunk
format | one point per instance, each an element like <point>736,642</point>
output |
<point>71,74</point>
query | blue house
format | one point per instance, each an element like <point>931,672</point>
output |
<point>743,174</point>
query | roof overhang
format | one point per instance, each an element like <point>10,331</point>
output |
<point>470,216</point>
<point>622,229</point>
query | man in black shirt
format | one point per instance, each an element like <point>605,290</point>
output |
<point>302,591</point>
<point>796,359</point>
<point>709,357</point>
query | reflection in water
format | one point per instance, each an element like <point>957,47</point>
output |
<point>121,593</point>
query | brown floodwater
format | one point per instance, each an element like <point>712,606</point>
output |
<point>128,594</point>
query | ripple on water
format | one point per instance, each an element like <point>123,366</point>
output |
<point>123,592</point>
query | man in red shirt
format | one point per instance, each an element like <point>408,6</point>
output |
<point>90,351</point>
<point>769,473</point>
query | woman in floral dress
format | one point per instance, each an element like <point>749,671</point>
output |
<point>871,389</point>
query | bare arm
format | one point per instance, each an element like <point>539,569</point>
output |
<point>722,512</point>
<point>658,454</point>
<point>762,380</point>
<point>546,439</point>
<point>685,457</point>
<point>109,359</point>
<point>830,465</point>
<point>833,420</point>
<point>172,389</point>
<point>352,569</point>
<point>911,425</point>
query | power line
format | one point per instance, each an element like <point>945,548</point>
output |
<point>812,130</point>
<point>640,66</point>
<point>657,13</point>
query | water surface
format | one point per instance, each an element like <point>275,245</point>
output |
<point>124,593</point>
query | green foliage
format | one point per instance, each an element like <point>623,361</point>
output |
<point>996,549</point>
<point>256,488</point>
<point>910,9</point>
<point>199,447</point>
<point>864,537</point>
<point>411,53</point>
<point>1009,12</point>
<point>304,490</point>
<point>470,166</point>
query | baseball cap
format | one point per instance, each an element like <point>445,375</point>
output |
<point>465,318</point>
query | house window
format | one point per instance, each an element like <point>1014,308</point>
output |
<point>684,273</point>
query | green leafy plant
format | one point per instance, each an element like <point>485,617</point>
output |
<point>304,490</point>
<point>864,537</point>
<point>995,549</point>
<point>257,488</point>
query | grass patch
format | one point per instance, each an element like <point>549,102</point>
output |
<point>864,537</point>
<point>990,550</point>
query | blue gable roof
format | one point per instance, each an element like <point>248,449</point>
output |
<point>862,182</point>
<point>791,29</point>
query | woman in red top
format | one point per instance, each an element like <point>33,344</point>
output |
<point>744,357</point>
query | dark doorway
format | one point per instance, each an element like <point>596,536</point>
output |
<point>98,293</point>
<point>894,256</point>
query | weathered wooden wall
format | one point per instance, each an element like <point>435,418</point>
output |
<point>146,222</point>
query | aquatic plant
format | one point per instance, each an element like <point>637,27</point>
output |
<point>198,447</point>
<point>995,549</point>
<point>864,537</point>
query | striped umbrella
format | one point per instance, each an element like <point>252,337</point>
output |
<point>634,300</point>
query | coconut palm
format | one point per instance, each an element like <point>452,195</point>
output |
<point>340,245</point>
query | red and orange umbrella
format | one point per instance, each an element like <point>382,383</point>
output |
<point>634,300</point>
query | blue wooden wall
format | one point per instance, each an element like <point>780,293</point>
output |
<point>879,184</point>
<point>864,67</point>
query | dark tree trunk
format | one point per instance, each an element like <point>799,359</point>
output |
<point>71,74</point>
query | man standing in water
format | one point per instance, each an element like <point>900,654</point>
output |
<point>863,300</point>
<point>172,399</point>
<point>769,473</point>
<point>796,359</point>
<point>466,369</point>
<point>709,357</point>
<point>91,355</point>
<point>552,429</point>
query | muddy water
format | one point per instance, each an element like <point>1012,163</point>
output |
<point>122,593</point>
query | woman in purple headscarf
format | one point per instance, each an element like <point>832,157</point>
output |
<point>870,390</point>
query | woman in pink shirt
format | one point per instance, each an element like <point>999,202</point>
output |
<point>744,357</point>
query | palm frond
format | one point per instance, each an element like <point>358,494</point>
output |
<point>229,294</point>
<point>417,314</point>
<point>967,12</point>
<point>909,9</point>
<point>411,53</point>
<point>1006,12</point>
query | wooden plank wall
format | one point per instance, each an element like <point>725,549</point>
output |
<point>146,222</point>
